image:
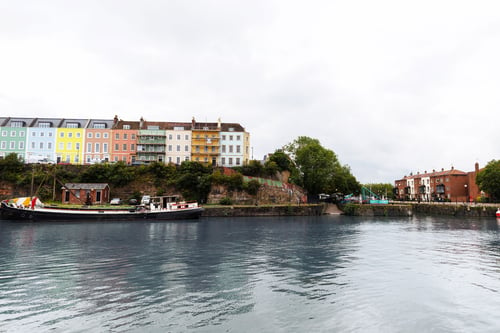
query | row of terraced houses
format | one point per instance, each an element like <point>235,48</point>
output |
<point>87,141</point>
<point>442,185</point>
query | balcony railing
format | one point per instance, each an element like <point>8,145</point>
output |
<point>151,141</point>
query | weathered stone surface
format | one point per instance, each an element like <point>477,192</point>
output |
<point>266,195</point>
<point>278,210</point>
<point>420,209</point>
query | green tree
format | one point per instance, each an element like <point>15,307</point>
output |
<point>116,174</point>
<point>282,160</point>
<point>253,168</point>
<point>488,179</point>
<point>271,168</point>
<point>319,170</point>
<point>345,182</point>
<point>163,174</point>
<point>252,187</point>
<point>11,168</point>
<point>194,180</point>
<point>235,182</point>
<point>381,189</point>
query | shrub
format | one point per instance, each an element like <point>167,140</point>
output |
<point>350,209</point>
<point>226,201</point>
<point>252,187</point>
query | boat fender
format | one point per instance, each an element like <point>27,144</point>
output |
<point>23,215</point>
<point>30,216</point>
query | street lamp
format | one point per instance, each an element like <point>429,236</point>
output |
<point>466,193</point>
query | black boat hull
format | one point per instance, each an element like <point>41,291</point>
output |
<point>13,213</point>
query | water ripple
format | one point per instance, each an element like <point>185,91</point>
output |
<point>317,274</point>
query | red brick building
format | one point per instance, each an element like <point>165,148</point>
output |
<point>445,185</point>
<point>80,194</point>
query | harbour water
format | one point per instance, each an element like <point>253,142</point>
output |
<point>293,274</point>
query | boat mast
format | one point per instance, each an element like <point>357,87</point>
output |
<point>32,180</point>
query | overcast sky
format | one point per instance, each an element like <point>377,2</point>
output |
<point>392,87</point>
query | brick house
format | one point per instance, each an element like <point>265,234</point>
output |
<point>85,193</point>
<point>450,185</point>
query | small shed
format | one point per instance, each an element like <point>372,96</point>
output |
<point>85,193</point>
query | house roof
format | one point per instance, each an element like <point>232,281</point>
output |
<point>452,172</point>
<point>169,125</point>
<point>108,123</point>
<point>54,122</point>
<point>7,122</point>
<point>86,186</point>
<point>82,123</point>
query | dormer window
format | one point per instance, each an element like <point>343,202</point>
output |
<point>72,125</point>
<point>126,127</point>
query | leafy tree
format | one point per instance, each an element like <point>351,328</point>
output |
<point>488,179</point>
<point>271,168</point>
<point>11,167</point>
<point>116,174</point>
<point>253,168</point>
<point>96,173</point>
<point>218,178</point>
<point>319,170</point>
<point>225,201</point>
<point>251,187</point>
<point>282,160</point>
<point>163,175</point>
<point>194,180</point>
<point>235,182</point>
<point>345,182</point>
<point>121,174</point>
<point>69,173</point>
<point>381,189</point>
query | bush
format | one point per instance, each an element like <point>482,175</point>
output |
<point>252,187</point>
<point>235,182</point>
<point>11,167</point>
<point>350,209</point>
<point>226,201</point>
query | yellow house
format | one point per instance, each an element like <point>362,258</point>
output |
<point>205,143</point>
<point>69,141</point>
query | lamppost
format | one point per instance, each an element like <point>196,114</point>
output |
<point>466,193</point>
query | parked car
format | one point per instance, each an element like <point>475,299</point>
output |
<point>115,201</point>
<point>132,202</point>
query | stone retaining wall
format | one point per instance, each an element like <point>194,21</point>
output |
<point>420,209</point>
<point>277,210</point>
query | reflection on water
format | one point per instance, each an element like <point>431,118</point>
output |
<point>329,273</point>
